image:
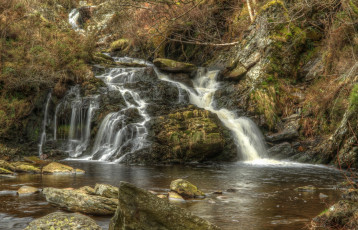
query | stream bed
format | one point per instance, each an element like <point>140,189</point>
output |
<point>264,197</point>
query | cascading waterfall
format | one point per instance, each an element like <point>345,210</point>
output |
<point>247,135</point>
<point>44,125</point>
<point>117,137</point>
<point>76,131</point>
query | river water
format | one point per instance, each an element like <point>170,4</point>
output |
<point>265,196</point>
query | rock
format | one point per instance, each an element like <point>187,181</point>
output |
<point>281,151</point>
<point>162,196</point>
<point>342,215</point>
<point>308,188</point>
<point>79,201</point>
<point>35,160</point>
<point>175,197</point>
<point>26,168</point>
<point>182,78</point>
<point>106,190</point>
<point>139,209</point>
<point>6,165</point>
<point>218,192</point>
<point>119,45</point>
<point>63,221</point>
<point>285,135</point>
<point>88,190</point>
<point>25,190</point>
<point>57,168</point>
<point>231,190</point>
<point>235,74</point>
<point>188,135</point>
<point>174,66</point>
<point>185,189</point>
<point>5,171</point>
<point>351,195</point>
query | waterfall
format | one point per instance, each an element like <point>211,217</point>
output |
<point>118,135</point>
<point>44,124</point>
<point>249,140</point>
<point>76,129</point>
<point>73,20</point>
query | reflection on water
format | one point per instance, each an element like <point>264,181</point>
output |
<point>264,199</point>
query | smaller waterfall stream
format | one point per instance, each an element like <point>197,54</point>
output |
<point>118,135</point>
<point>73,19</point>
<point>44,124</point>
<point>247,135</point>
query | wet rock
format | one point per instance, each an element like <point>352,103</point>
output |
<point>175,197</point>
<point>185,189</point>
<point>285,135</point>
<point>308,188</point>
<point>6,165</point>
<point>139,209</point>
<point>63,221</point>
<point>36,161</point>
<point>24,167</point>
<point>218,192</point>
<point>231,190</point>
<point>174,66</point>
<point>57,168</point>
<point>26,190</point>
<point>5,171</point>
<point>106,190</point>
<point>79,201</point>
<point>188,135</point>
<point>182,78</point>
<point>281,151</point>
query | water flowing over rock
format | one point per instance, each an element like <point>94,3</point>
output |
<point>140,209</point>
<point>248,137</point>
<point>61,220</point>
<point>44,125</point>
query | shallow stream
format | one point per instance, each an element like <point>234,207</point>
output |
<point>265,196</point>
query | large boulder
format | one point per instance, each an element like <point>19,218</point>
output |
<point>80,201</point>
<point>63,221</point>
<point>185,189</point>
<point>281,151</point>
<point>174,66</point>
<point>142,210</point>
<point>188,135</point>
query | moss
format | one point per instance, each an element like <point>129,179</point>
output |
<point>353,98</point>
<point>120,45</point>
<point>353,7</point>
<point>5,171</point>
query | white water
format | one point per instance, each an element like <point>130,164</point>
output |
<point>117,137</point>
<point>248,137</point>
<point>44,124</point>
<point>82,110</point>
<point>73,20</point>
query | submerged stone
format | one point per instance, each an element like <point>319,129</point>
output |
<point>308,188</point>
<point>79,201</point>
<point>139,209</point>
<point>186,189</point>
<point>63,221</point>
<point>26,190</point>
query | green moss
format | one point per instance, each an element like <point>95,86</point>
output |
<point>119,45</point>
<point>353,98</point>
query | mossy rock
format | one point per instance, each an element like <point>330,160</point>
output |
<point>7,165</point>
<point>26,190</point>
<point>5,171</point>
<point>106,190</point>
<point>119,45</point>
<point>185,189</point>
<point>174,66</point>
<point>35,160</point>
<point>57,168</point>
<point>101,58</point>
<point>61,220</point>
<point>24,167</point>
